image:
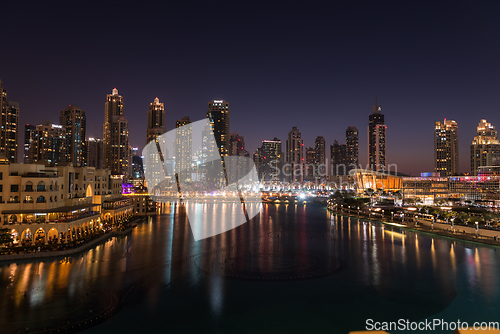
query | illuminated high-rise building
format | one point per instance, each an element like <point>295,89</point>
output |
<point>237,145</point>
<point>446,147</point>
<point>485,147</point>
<point>115,135</point>
<point>48,145</point>
<point>218,114</point>
<point>95,153</point>
<point>352,147</point>
<point>9,126</point>
<point>156,120</point>
<point>319,157</point>
<point>294,156</point>
<point>270,160</point>
<point>74,121</point>
<point>376,139</point>
<point>338,159</point>
<point>28,137</point>
<point>183,149</point>
<point>310,165</point>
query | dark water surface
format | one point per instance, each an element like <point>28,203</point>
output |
<point>292,269</point>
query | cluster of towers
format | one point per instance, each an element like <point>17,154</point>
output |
<point>294,166</point>
<point>66,142</point>
<point>484,149</point>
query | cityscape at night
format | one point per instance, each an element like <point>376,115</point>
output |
<point>250,167</point>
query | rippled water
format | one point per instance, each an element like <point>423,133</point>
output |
<point>266,276</point>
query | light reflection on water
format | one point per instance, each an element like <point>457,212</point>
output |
<point>386,273</point>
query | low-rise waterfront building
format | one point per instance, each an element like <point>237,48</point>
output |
<point>43,204</point>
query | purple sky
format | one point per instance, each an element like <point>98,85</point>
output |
<point>279,64</point>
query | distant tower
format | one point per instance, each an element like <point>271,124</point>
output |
<point>28,138</point>
<point>95,153</point>
<point>310,165</point>
<point>156,120</point>
<point>271,160</point>
<point>48,145</point>
<point>338,159</point>
<point>74,121</point>
<point>9,126</point>
<point>319,157</point>
<point>485,148</point>
<point>352,147</point>
<point>294,156</point>
<point>218,114</point>
<point>115,135</point>
<point>183,149</point>
<point>376,139</point>
<point>446,147</point>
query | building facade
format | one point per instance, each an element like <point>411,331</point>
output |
<point>74,121</point>
<point>48,145</point>
<point>9,126</point>
<point>29,129</point>
<point>183,149</point>
<point>352,147</point>
<point>156,120</point>
<point>115,135</point>
<point>218,115</point>
<point>338,156</point>
<point>485,147</point>
<point>42,205</point>
<point>446,147</point>
<point>294,156</point>
<point>95,153</point>
<point>376,139</point>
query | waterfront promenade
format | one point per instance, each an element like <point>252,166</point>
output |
<point>485,236</point>
<point>81,246</point>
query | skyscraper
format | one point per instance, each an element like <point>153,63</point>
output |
<point>485,148</point>
<point>376,138</point>
<point>319,157</point>
<point>338,159</point>
<point>294,156</point>
<point>352,147</point>
<point>48,145</point>
<point>28,137</point>
<point>271,162</point>
<point>9,126</point>
<point>446,147</point>
<point>74,121</point>
<point>115,135</point>
<point>310,166</point>
<point>237,145</point>
<point>218,114</point>
<point>95,153</point>
<point>10,131</point>
<point>183,149</point>
<point>156,120</point>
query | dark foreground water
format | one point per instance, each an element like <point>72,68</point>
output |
<point>292,269</point>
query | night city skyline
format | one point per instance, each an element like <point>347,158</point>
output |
<point>250,167</point>
<point>321,74</point>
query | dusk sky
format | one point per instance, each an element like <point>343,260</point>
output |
<point>314,65</point>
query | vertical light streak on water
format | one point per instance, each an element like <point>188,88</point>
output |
<point>453,260</point>
<point>433,254</point>
<point>374,260</point>
<point>477,263</point>
<point>417,251</point>
<point>169,245</point>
